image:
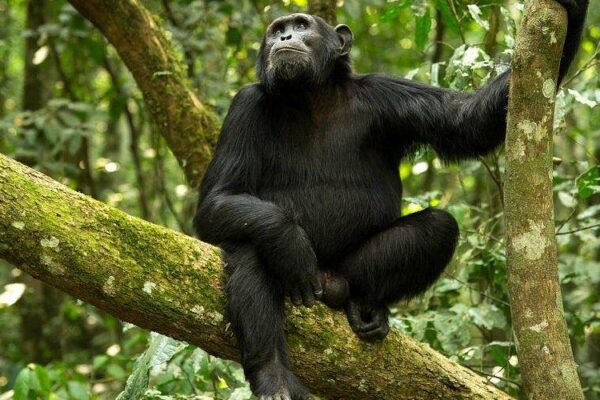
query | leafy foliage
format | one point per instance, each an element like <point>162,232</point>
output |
<point>92,132</point>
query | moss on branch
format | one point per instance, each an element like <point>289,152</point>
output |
<point>170,283</point>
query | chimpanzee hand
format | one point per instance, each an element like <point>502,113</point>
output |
<point>304,286</point>
<point>574,8</point>
<point>369,322</point>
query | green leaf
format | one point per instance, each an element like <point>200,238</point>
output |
<point>588,183</point>
<point>475,12</point>
<point>78,390</point>
<point>447,16</point>
<point>43,378</point>
<point>23,384</point>
<point>580,98</point>
<point>115,370</point>
<point>242,393</point>
<point>567,200</point>
<point>422,28</point>
<point>233,36</point>
<point>160,350</point>
<point>501,351</point>
<point>100,361</point>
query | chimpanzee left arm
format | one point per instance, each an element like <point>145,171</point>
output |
<point>456,124</point>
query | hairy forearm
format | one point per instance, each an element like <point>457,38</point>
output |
<point>476,122</point>
<point>224,217</point>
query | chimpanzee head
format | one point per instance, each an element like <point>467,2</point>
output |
<point>303,50</point>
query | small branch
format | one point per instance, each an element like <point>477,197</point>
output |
<point>592,62</point>
<point>578,230</point>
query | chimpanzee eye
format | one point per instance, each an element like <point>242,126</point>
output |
<point>300,26</point>
<point>278,31</point>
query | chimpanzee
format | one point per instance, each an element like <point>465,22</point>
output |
<point>303,193</point>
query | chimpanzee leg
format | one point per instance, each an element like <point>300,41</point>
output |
<point>399,262</point>
<point>255,309</point>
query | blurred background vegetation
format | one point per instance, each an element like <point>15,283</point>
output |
<point>70,108</point>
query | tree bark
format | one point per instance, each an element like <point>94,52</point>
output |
<point>188,127</point>
<point>326,9</point>
<point>170,283</point>
<point>545,355</point>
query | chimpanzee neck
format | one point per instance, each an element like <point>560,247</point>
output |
<point>302,94</point>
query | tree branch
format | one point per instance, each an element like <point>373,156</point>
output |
<point>188,127</point>
<point>170,283</point>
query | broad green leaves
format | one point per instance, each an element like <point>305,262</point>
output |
<point>160,350</point>
<point>588,183</point>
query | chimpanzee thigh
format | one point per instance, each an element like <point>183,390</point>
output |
<point>402,260</point>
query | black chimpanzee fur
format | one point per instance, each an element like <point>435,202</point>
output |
<point>303,193</point>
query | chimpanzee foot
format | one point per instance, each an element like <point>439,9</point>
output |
<point>370,323</point>
<point>275,382</point>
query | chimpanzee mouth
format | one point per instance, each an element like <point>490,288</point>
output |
<point>289,49</point>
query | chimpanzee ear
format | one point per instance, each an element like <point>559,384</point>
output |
<point>346,37</point>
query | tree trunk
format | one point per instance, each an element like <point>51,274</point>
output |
<point>188,127</point>
<point>545,355</point>
<point>325,9</point>
<point>162,280</point>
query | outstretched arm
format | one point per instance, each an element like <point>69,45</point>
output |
<point>462,125</point>
<point>229,211</point>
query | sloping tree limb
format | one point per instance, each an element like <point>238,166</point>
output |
<point>545,355</point>
<point>170,283</point>
<point>188,127</point>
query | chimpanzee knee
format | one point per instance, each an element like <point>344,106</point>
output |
<point>404,259</point>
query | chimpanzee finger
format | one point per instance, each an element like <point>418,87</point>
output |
<point>308,296</point>
<point>296,297</point>
<point>367,326</point>
<point>317,286</point>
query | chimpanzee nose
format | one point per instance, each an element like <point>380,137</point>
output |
<point>284,38</point>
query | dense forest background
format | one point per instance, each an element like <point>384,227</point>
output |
<point>70,108</point>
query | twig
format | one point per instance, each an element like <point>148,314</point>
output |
<point>589,64</point>
<point>478,291</point>
<point>578,230</point>
<point>493,376</point>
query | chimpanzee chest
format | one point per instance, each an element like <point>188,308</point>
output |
<point>335,179</point>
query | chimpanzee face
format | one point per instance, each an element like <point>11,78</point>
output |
<point>301,48</point>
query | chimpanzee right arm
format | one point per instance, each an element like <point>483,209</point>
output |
<point>230,212</point>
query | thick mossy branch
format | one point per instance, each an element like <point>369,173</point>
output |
<point>543,347</point>
<point>188,127</point>
<point>162,280</point>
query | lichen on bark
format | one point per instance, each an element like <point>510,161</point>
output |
<point>543,348</point>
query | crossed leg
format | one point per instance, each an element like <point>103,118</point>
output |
<point>398,262</point>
